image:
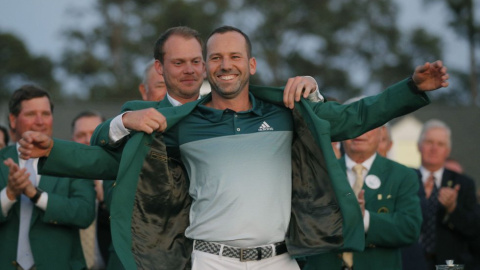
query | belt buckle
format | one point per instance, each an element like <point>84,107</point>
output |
<point>242,253</point>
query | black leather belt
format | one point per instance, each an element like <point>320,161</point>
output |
<point>243,254</point>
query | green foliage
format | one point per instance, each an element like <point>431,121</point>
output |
<point>108,60</point>
<point>462,21</point>
<point>351,47</point>
<point>18,67</point>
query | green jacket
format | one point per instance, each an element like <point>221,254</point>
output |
<point>395,219</point>
<point>325,213</point>
<point>54,235</point>
<point>114,262</point>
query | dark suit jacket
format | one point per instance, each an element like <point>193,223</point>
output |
<point>454,230</point>
<point>54,235</point>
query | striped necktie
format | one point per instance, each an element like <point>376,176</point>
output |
<point>429,226</point>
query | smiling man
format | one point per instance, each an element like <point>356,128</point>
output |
<point>237,150</point>
<point>40,214</point>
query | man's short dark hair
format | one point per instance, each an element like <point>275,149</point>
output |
<point>87,113</point>
<point>225,29</point>
<point>183,31</point>
<point>6,137</point>
<point>26,92</point>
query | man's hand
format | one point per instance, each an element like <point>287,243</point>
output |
<point>18,179</point>
<point>146,120</point>
<point>361,201</point>
<point>430,76</point>
<point>296,87</point>
<point>34,144</point>
<point>447,196</point>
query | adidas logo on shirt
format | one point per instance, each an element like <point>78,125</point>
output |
<point>265,127</point>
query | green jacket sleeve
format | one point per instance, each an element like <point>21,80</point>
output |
<point>77,209</point>
<point>352,120</point>
<point>71,159</point>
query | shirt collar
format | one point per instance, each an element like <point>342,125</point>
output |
<point>175,102</point>
<point>215,115</point>
<point>437,174</point>
<point>367,164</point>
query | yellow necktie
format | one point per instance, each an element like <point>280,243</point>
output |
<point>358,185</point>
<point>347,257</point>
<point>87,238</point>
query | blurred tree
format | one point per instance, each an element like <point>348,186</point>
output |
<point>108,60</point>
<point>464,85</point>
<point>351,47</point>
<point>18,67</point>
<point>463,22</point>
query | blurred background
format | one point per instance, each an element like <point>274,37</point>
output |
<point>90,54</point>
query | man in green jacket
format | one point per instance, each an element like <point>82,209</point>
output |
<point>387,194</point>
<point>40,214</point>
<point>324,214</point>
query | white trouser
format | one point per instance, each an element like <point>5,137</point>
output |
<point>206,261</point>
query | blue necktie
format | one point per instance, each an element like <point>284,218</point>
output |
<point>24,252</point>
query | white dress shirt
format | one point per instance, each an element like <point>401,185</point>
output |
<point>367,164</point>
<point>7,203</point>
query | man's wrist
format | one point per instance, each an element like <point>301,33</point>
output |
<point>412,85</point>
<point>10,195</point>
<point>37,195</point>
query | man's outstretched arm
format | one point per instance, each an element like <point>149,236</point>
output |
<point>69,159</point>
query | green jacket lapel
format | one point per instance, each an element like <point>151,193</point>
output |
<point>377,169</point>
<point>9,152</point>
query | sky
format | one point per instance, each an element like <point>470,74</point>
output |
<point>39,24</point>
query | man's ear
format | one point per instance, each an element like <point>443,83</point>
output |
<point>143,91</point>
<point>253,65</point>
<point>12,120</point>
<point>159,67</point>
